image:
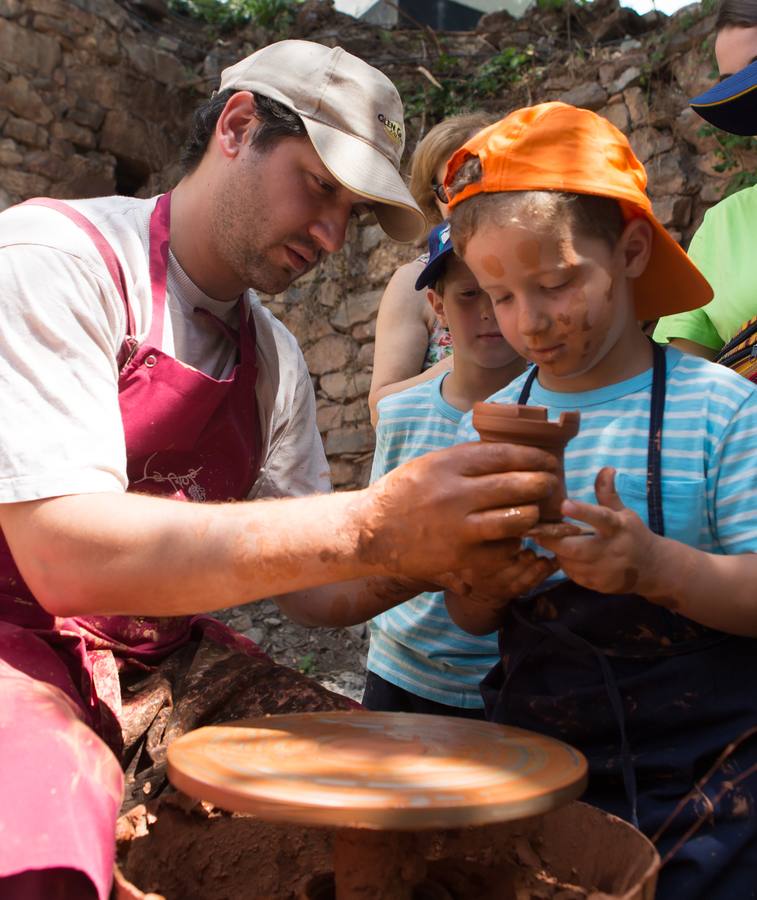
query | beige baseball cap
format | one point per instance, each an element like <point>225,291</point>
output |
<point>353,116</point>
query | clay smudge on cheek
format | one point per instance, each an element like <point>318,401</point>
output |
<point>564,319</point>
<point>493,266</point>
<point>586,322</point>
<point>586,348</point>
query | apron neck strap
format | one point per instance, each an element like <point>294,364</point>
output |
<point>160,239</point>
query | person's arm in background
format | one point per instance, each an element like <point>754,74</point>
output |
<point>723,250</point>
<point>694,348</point>
<point>402,335</point>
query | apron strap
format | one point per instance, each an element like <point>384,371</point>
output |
<point>112,263</point>
<point>527,385</point>
<point>654,444</point>
<point>160,237</point>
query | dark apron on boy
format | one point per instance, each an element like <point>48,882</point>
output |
<point>664,709</point>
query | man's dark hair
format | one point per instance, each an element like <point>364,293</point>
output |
<point>736,14</point>
<point>276,122</point>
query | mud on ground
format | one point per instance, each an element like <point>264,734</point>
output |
<point>335,657</point>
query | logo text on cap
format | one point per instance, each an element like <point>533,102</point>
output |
<point>393,129</point>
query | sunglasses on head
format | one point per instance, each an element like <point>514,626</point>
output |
<point>440,192</point>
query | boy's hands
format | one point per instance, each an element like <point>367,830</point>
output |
<point>454,510</point>
<point>622,556</point>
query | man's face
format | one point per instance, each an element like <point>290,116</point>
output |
<point>278,212</point>
<point>735,48</point>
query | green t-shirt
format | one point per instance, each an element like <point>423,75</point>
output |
<point>722,248</point>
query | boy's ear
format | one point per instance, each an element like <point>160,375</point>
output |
<point>437,304</point>
<point>635,247</point>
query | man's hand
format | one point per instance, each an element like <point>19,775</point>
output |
<point>621,556</point>
<point>454,510</point>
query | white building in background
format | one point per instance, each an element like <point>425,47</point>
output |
<point>437,13</point>
<point>465,12</point>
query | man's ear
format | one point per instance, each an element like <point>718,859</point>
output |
<point>437,304</point>
<point>237,119</point>
<point>635,247</point>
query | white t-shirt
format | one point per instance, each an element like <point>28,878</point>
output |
<point>62,323</point>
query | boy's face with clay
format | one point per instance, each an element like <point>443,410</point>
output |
<point>466,310</point>
<point>561,299</point>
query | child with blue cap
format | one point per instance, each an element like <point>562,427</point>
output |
<point>419,661</point>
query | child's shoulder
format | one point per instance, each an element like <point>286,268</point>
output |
<point>689,374</point>
<point>419,400</point>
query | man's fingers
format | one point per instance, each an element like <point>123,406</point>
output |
<point>510,489</point>
<point>482,458</point>
<point>498,524</point>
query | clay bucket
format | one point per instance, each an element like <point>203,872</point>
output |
<point>585,845</point>
<point>577,851</point>
<point>528,425</point>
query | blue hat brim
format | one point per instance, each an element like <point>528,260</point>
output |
<point>433,270</point>
<point>732,103</point>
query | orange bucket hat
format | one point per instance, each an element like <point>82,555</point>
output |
<point>557,147</point>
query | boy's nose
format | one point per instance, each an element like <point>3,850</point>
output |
<point>531,319</point>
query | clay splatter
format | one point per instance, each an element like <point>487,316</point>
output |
<point>493,266</point>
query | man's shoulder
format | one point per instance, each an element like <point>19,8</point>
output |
<point>123,221</point>
<point>271,333</point>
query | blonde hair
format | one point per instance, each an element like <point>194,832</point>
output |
<point>436,148</point>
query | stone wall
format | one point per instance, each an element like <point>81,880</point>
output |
<point>95,97</point>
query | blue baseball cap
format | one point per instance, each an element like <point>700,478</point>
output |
<point>732,103</point>
<point>439,249</point>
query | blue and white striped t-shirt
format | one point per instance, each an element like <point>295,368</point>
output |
<point>709,449</point>
<point>416,646</point>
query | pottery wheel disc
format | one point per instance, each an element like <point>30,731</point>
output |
<point>376,770</point>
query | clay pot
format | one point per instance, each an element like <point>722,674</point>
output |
<point>528,425</point>
<point>573,852</point>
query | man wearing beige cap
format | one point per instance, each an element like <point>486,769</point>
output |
<point>138,368</point>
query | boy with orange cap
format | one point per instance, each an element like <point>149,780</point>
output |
<point>641,650</point>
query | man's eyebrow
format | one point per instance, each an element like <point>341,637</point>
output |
<point>728,74</point>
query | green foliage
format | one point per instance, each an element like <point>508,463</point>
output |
<point>455,93</point>
<point>728,149</point>
<point>274,14</point>
<point>307,664</point>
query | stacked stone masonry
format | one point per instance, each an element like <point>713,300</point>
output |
<point>96,96</point>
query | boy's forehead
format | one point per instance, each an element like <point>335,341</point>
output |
<point>456,268</point>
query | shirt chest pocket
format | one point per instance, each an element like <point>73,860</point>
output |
<point>684,505</point>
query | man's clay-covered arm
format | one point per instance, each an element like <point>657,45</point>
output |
<point>108,553</point>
